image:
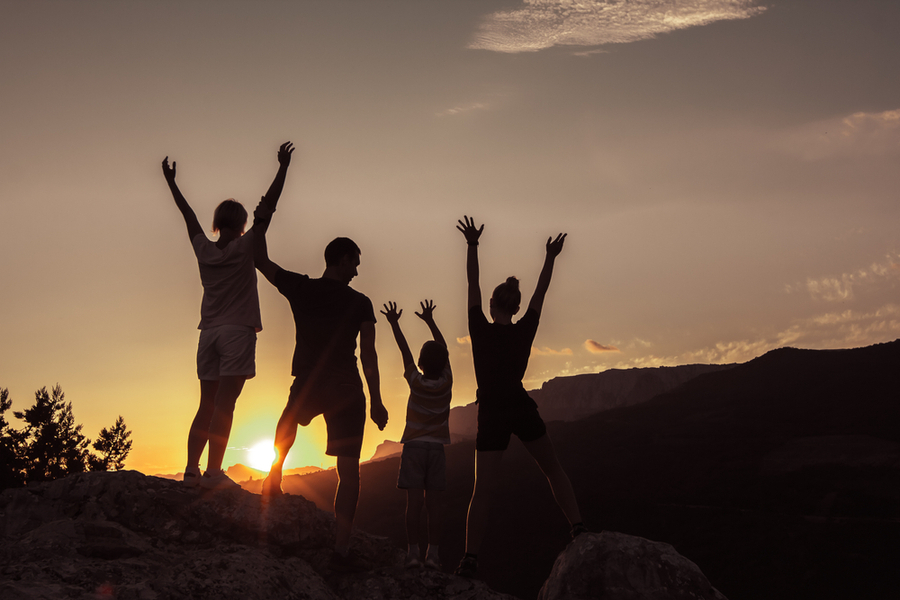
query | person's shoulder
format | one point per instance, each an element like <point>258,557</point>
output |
<point>283,277</point>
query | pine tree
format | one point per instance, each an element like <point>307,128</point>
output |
<point>113,445</point>
<point>53,445</point>
<point>11,474</point>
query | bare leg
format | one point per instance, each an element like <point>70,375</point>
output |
<point>487,470</point>
<point>543,452</point>
<point>434,505</point>
<point>345,500</point>
<point>220,426</point>
<point>199,434</point>
<point>415,499</point>
<point>285,435</point>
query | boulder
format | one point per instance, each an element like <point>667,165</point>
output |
<point>615,566</point>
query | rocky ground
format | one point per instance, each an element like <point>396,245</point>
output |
<point>129,536</point>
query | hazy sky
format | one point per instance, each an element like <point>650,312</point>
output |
<point>726,172</point>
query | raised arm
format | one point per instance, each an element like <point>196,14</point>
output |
<point>471,233</point>
<point>284,161</point>
<point>554,247</point>
<point>369,359</point>
<point>427,315</point>
<point>393,317</point>
<point>261,218</point>
<point>190,219</point>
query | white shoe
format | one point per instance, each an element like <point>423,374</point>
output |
<point>191,477</point>
<point>218,481</point>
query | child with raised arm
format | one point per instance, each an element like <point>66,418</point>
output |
<point>500,351</point>
<point>229,322</point>
<point>423,471</point>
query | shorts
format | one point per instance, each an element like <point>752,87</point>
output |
<point>226,351</point>
<point>423,466</point>
<point>342,405</point>
<point>495,426</point>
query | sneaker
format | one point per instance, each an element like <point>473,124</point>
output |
<point>433,563</point>
<point>191,477</point>
<point>412,563</point>
<point>468,567</point>
<point>578,529</point>
<point>218,481</point>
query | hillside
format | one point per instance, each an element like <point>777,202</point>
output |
<point>778,477</point>
<point>578,396</point>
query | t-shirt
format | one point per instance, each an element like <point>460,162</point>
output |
<point>228,275</point>
<point>500,353</point>
<point>428,408</point>
<point>328,315</point>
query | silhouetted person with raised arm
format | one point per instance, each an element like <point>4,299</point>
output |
<point>423,465</point>
<point>329,315</point>
<point>500,351</point>
<point>229,322</point>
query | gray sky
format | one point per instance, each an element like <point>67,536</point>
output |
<point>726,172</point>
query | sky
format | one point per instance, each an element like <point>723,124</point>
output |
<point>725,171</point>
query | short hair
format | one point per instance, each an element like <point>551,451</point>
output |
<point>433,358</point>
<point>338,248</point>
<point>230,214</point>
<point>507,296</point>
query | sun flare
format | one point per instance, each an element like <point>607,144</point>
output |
<point>261,455</point>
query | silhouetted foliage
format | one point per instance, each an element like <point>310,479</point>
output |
<point>54,445</point>
<point>113,445</point>
<point>51,445</point>
<point>10,440</point>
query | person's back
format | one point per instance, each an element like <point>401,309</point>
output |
<point>228,275</point>
<point>423,466</point>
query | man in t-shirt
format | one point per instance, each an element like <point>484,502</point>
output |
<point>328,315</point>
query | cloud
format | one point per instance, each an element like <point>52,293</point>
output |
<point>464,340</point>
<point>838,288</point>
<point>597,348</point>
<point>550,351</point>
<point>860,134</point>
<point>458,110</point>
<point>543,24</point>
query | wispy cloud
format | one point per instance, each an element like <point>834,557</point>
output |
<point>464,341</point>
<point>862,134</point>
<point>550,351</point>
<point>837,288</point>
<point>598,348</point>
<point>844,329</point>
<point>543,24</point>
<point>463,108</point>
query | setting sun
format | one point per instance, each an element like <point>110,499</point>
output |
<point>261,455</point>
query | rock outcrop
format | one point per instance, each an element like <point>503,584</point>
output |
<point>615,566</point>
<point>129,536</point>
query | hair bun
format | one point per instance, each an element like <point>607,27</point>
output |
<point>512,282</point>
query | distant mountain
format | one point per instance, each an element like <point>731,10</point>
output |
<point>386,449</point>
<point>779,477</point>
<point>241,473</point>
<point>577,396</point>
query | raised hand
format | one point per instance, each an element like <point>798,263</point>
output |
<point>284,153</point>
<point>554,247</point>
<point>168,172</point>
<point>469,230</point>
<point>427,313</point>
<point>391,313</point>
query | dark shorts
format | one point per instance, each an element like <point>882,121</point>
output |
<point>344,409</point>
<point>496,425</point>
<point>423,466</point>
